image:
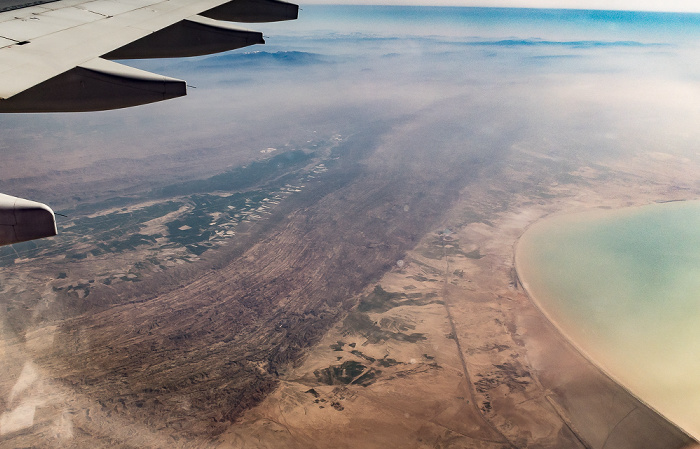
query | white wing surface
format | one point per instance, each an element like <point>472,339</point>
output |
<point>54,55</point>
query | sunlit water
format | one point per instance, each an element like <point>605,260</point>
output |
<point>625,287</point>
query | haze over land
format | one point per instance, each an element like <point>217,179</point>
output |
<point>217,246</point>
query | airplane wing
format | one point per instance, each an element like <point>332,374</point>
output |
<point>58,56</point>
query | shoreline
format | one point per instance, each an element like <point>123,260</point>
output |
<point>523,283</point>
<point>530,385</point>
<point>528,382</point>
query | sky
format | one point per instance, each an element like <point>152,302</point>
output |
<point>632,5</point>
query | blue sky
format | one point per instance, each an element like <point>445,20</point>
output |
<point>633,5</point>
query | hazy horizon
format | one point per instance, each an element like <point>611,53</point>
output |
<point>682,6</point>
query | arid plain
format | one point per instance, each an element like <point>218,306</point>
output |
<point>453,353</point>
<point>442,350</point>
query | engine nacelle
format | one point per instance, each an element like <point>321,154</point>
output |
<point>22,220</point>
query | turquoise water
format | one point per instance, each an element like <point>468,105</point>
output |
<point>500,23</point>
<point>625,287</point>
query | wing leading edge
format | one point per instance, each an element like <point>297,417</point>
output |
<point>57,56</point>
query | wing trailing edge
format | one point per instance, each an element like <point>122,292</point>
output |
<point>254,11</point>
<point>94,86</point>
<point>194,36</point>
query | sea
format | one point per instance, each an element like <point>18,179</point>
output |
<point>395,22</point>
<point>624,286</point>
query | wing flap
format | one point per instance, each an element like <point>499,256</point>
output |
<point>95,86</point>
<point>195,36</point>
<point>254,11</point>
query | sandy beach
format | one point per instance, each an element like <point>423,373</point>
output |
<point>608,350</point>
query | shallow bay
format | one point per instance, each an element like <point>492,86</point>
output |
<point>624,286</point>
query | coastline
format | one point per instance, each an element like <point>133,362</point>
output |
<point>530,386</point>
<point>514,378</point>
<point>521,278</point>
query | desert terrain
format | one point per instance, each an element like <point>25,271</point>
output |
<point>315,247</point>
<point>447,350</point>
<point>407,329</point>
<point>167,327</point>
